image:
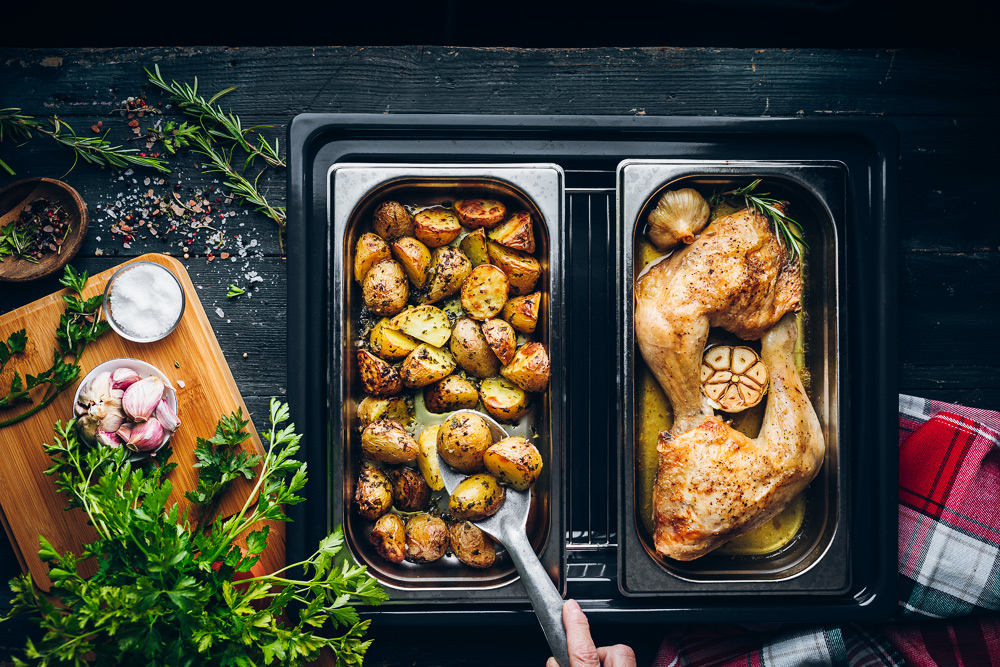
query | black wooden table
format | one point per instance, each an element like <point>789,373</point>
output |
<point>944,105</point>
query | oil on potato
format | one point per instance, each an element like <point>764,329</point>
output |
<point>484,292</point>
<point>529,369</point>
<point>472,351</point>
<point>521,268</point>
<point>436,227</point>
<point>410,492</point>
<point>379,378</point>
<point>388,343</point>
<point>427,457</point>
<point>522,312</point>
<point>371,409</point>
<point>449,269</point>
<point>471,545</point>
<point>424,323</point>
<point>371,250</point>
<point>385,288</point>
<point>462,440</point>
<point>474,247</point>
<point>414,257</point>
<point>392,220</point>
<point>516,233</point>
<point>373,493</point>
<point>386,441</point>
<point>426,364</point>
<point>476,498</point>
<point>426,538</point>
<point>514,461</point>
<point>452,393</point>
<point>501,338</point>
<point>475,213</point>
<point>504,400</point>
<point>389,538</point>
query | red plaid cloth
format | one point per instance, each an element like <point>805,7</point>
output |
<point>949,564</point>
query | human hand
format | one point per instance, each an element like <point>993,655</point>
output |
<point>582,651</point>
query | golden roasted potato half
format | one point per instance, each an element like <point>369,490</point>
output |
<point>522,312</point>
<point>471,545</point>
<point>426,538</point>
<point>427,457</point>
<point>385,288</point>
<point>410,493</point>
<point>529,369</point>
<point>503,399</point>
<point>472,351</point>
<point>371,250</point>
<point>424,323</point>
<point>449,269</point>
<point>452,393</point>
<point>389,538</point>
<point>476,498</point>
<point>392,220</point>
<point>414,257</point>
<point>386,441</point>
<point>426,364</point>
<point>462,440</point>
<point>516,233</point>
<point>474,247</point>
<point>436,227</point>
<point>373,493</point>
<point>521,268</point>
<point>371,409</point>
<point>501,338</point>
<point>388,343</point>
<point>480,212</point>
<point>379,378</point>
<point>484,292</point>
<point>514,461</point>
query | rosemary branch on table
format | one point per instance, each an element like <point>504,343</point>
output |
<point>218,123</point>
<point>95,150</point>
<point>788,230</point>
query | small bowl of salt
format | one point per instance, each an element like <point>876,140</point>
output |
<point>143,301</point>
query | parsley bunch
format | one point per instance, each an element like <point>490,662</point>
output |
<point>156,598</point>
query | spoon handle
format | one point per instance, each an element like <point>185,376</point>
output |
<point>543,594</point>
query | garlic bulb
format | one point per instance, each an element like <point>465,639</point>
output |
<point>109,439</point>
<point>145,437</point>
<point>733,378</point>
<point>98,390</point>
<point>142,398</point>
<point>678,216</point>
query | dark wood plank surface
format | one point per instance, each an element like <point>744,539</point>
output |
<point>944,104</point>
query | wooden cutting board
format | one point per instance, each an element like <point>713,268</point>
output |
<point>189,356</point>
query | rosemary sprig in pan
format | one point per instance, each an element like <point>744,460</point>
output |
<point>96,150</point>
<point>217,123</point>
<point>788,230</point>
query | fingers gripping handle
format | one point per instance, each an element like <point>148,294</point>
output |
<point>543,594</point>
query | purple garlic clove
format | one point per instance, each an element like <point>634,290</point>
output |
<point>125,431</point>
<point>142,397</point>
<point>123,378</point>
<point>145,437</point>
<point>109,439</point>
<point>167,417</point>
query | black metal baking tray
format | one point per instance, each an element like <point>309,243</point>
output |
<point>589,150</point>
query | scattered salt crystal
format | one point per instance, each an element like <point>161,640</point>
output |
<point>146,301</point>
<point>180,383</point>
<point>220,312</point>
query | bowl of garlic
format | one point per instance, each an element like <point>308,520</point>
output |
<point>126,403</point>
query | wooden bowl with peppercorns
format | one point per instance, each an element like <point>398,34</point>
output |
<point>42,225</point>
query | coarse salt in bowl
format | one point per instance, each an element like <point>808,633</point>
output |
<point>143,301</point>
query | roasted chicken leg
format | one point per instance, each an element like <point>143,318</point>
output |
<point>714,483</point>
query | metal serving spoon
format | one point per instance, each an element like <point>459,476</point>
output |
<point>508,526</point>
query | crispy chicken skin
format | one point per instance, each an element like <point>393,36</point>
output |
<point>714,483</point>
<point>736,275</point>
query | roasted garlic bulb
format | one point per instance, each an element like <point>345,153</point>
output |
<point>679,215</point>
<point>733,378</point>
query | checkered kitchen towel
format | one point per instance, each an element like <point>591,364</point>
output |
<point>949,563</point>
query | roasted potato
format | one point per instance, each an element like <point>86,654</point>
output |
<point>472,351</point>
<point>501,338</point>
<point>426,538</point>
<point>389,538</point>
<point>462,440</point>
<point>476,498</point>
<point>471,545</point>
<point>379,378</point>
<point>516,233</point>
<point>371,250</point>
<point>452,393</point>
<point>449,269</point>
<point>503,399</point>
<point>386,441</point>
<point>425,323</point>
<point>385,288</point>
<point>521,268</point>
<point>522,312</point>
<point>514,461</point>
<point>484,292</point>
<point>426,364</point>
<point>410,493</point>
<point>392,220</point>
<point>529,369</point>
<point>388,343</point>
<point>436,227</point>
<point>414,257</point>
<point>427,458</point>
<point>372,409</point>
<point>475,213</point>
<point>373,493</point>
<point>474,247</point>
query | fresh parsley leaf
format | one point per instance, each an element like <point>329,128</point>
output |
<point>234,291</point>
